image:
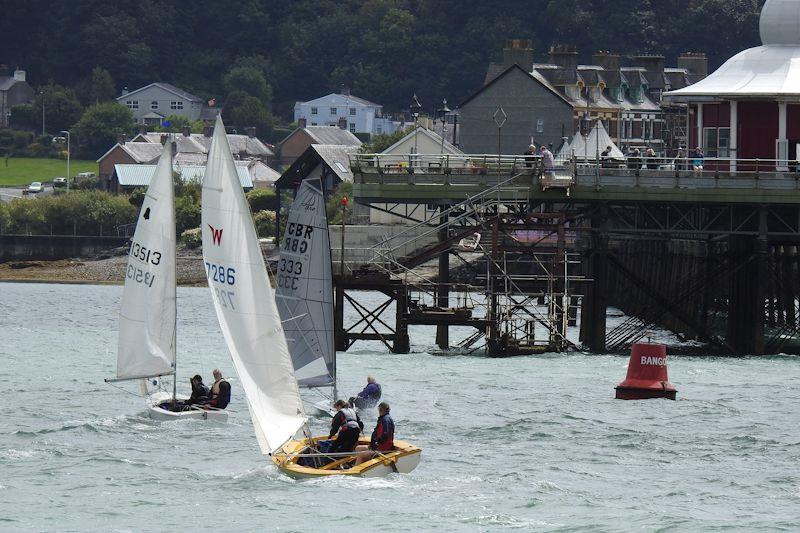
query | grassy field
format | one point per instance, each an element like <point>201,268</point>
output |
<point>23,170</point>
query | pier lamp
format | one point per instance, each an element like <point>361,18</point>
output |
<point>443,117</point>
<point>415,108</point>
<point>66,132</point>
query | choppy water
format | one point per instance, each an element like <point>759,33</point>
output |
<point>526,443</point>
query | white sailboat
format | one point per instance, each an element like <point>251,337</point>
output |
<point>252,327</point>
<point>148,314</point>
<point>304,293</point>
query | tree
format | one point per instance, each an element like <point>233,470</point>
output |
<point>249,79</point>
<point>61,107</point>
<point>99,87</point>
<point>23,117</point>
<point>381,141</point>
<point>250,112</point>
<point>99,126</point>
<point>176,123</point>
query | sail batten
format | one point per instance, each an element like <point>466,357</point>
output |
<point>245,302</point>
<point>147,315</point>
<point>304,292</point>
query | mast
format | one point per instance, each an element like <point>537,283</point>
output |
<point>175,269</point>
<point>341,280</point>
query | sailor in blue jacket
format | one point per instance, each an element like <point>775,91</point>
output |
<point>369,396</point>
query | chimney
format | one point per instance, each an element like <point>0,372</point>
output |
<point>606,59</point>
<point>143,129</point>
<point>251,132</point>
<point>651,63</point>
<point>345,90</point>
<point>208,130</point>
<point>174,146</point>
<point>125,90</point>
<point>164,138</point>
<point>122,138</point>
<point>187,131</point>
<point>301,123</point>
<point>564,55</point>
<point>19,75</point>
<point>694,62</point>
<point>520,52</point>
<point>343,123</point>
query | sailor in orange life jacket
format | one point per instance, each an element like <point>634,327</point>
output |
<point>382,437</point>
<point>220,394</point>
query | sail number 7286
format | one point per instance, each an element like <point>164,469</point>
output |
<point>221,274</point>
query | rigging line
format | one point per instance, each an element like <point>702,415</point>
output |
<point>126,390</point>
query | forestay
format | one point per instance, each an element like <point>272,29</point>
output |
<point>245,302</point>
<point>147,315</point>
<point>304,291</point>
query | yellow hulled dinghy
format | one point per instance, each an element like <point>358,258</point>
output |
<point>402,459</point>
<point>254,332</point>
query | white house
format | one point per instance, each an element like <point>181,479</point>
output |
<point>362,116</point>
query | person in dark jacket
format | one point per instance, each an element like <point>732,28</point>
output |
<point>382,437</point>
<point>346,426</point>
<point>199,391</point>
<point>369,396</point>
<point>220,395</point>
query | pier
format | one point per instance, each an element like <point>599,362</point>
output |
<point>710,255</point>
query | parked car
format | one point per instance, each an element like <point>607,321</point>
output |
<point>60,182</point>
<point>35,187</point>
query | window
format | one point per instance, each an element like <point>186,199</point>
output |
<point>154,105</point>
<point>352,111</point>
<point>176,104</point>
<point>539,125</point>
<point>313,110</point>
<point>379,129</point>
<point>333,111</point>
<point>313,123</point>
<point>717,142</point>
<point>352,127</point>
<point>133,104</point>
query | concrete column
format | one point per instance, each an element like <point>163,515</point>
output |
<point>782,137</point>
<point>734,134</point>
<point>443,289</point>
<point>700,126</point>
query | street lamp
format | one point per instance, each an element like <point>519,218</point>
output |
<point>68,154</point>
<point>42,93</point>
<point>443,116</point>
<point>415,108</point>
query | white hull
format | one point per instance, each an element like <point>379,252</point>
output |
<point>322,409</point>
<point>156,413</point>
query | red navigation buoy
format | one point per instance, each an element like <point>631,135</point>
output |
<point>647,374</point>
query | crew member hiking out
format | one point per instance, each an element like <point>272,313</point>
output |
<point>369,396</point>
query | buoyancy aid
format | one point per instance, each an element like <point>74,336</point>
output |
<point>350,419</point>
<point>383,436</point>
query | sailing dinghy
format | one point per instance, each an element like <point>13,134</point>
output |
<point>252,327</point>
<point>304,294</point>
<point>147,318</point>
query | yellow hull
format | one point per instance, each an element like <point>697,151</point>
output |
<point>402,459</point>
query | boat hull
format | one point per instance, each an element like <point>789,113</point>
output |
<point>156,413</point>
<point>323,409</point>
<point>402,459</point>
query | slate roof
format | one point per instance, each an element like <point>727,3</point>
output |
<point>167,87</point>
<point>332,135</point>
<point>6,82</point>
<point>140,175</point>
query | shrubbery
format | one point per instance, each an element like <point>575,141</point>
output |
<point>262,199</point>
<point>265,223</point>
<point>79,212</point>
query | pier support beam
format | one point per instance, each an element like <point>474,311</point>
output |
<point>443,289</point>
<point>593,309</point>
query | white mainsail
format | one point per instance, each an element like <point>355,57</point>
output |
<point>304,292</point>
<point>245,302</point>
<point>147,315</point>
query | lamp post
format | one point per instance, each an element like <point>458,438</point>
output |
<point>415,108</point>
<point>443,117</point>
<point>500,118</point>
<point>68,154</point>
<point>42,93</point>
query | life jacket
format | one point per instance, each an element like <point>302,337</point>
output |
<point>380,431</point>
<point>350,419</point>
<point>215,386</point>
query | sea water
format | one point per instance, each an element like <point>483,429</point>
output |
<point>528,443</point>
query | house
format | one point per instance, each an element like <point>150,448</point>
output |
<point>627,99</point>
<point>529,107</point>
<point>297,142</point>
<point>359,115</point>
<point>747,109</point>
<point>191,149</point>
<point>14,90</point>
<point>152,103</point>
<point>420,141</point>
<point>126,177</point>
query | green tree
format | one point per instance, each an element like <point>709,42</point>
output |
<point>61,107</point>
<point>248,78</point>
<point>99,126</point>
<point>262,200</point>
<point>333,207</point>
<point>249,113</point>
<point>176,123</point>
<point>23,117</point>
<point>381,141</point>
<point>99,87</point>
<point>264,222</point>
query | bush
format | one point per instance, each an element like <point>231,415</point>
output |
<point>262,199</point>
<point>86,184</point>
<point>192,238</point>
<point>334,205</point>
<point>265,223</point>
<point>5,220</point>
<point>81,212</point>
<point>187,213</point>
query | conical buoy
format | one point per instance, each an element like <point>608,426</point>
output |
<point>647,374</point>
